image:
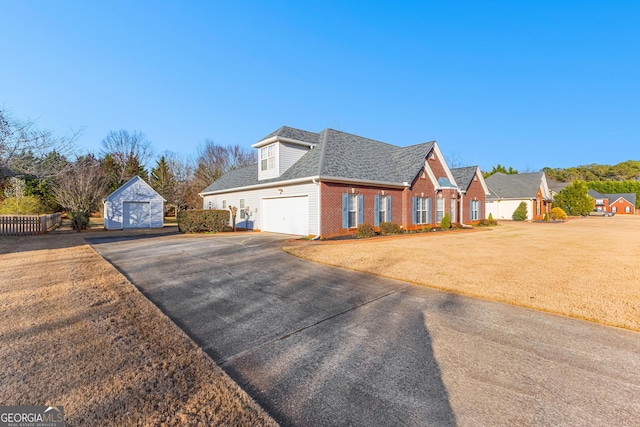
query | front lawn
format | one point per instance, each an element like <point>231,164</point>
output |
<point>585,268</point>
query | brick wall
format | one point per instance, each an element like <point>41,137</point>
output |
<point>474,192</point>
<point>331,206</point>
<point>621,205</point>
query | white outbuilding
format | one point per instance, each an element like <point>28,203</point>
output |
<point>134,205</point>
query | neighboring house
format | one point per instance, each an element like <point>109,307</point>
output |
<point>328,183</point>
<point>134,205</point>
<point>624,203</point>
<point>509,190</point>
<point>555,187</point>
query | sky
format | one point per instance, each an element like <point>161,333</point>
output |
<point>523,84</point>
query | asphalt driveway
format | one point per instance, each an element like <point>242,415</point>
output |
<point>317,345</point>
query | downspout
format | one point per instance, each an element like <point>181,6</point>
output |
<point>316,182</point>
<point>462,224</point>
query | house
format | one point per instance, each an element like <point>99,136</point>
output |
<point>555,186</point>
<point>624,203</point>
<point>473,188</point>
<point>134,205</point>
<point>509,190</point>
<point>327,183</point>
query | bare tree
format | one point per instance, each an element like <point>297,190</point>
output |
<point>81,189</point>
<point>29,151</point>
<point>185,194</point>
<point>215,160</point>
<point>126,155</point>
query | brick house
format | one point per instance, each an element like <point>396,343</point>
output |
<point>507,191</point>
<point>327,183</point>
<point>624,203</point>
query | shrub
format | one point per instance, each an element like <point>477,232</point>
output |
<point>558,213</point>
<point>389,228</point>
<point>520,214</point>
<point>79,220</point>
<point>196,221</point>
<point>490,219</point>
<point>545,217</point>
<point>445,224</point>
<point>24,205</point>
<point>365,230</point>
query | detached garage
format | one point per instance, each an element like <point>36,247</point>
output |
<point>134,205</point>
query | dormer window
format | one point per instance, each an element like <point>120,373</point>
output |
<point>268,157</point>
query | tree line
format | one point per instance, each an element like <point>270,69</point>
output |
<point>41,172</point>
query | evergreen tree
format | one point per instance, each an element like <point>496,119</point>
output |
<point>574,199</point>
<point>520,214</point>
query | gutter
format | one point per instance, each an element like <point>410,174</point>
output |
<point>312,179</point>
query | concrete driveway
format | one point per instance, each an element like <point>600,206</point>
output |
<point>317,345</point>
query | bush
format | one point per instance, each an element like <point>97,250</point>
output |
<point>365,230</point>
<point>445,224</point>
<point>196,221</point>
<point>558,213</point>
<point>545,217</point>
<point>520,214</point>
<point>389,228</point>
<point>490,219</point>
<point>79,220</point>
<point>25,205</point>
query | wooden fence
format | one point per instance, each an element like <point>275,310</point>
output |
<point>24,225</point>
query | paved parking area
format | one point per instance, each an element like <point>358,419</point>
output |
<point>317,345</point>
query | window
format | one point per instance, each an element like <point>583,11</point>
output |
<point>353,204</point>
<point>452,213</point>
<point>475,210</point>
<point>242,212</point>
<point>439,209</point>
<point>538,205</point>
<point>627,209</point>
<point>209,204</point>
<point>382,209</point>
<point>421,210</point>
<point>268,157</point>
<point>614,209</point>
<point>224,204</point>
<point>352,210</point>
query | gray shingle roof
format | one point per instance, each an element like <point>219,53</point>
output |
<point>629,197</point>
<point>293,133</point>
<point>338,155</point>
<point>514,186</point>
<point>464,176</point>
<point>556,186</point>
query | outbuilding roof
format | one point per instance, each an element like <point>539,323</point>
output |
<point>337,155</point>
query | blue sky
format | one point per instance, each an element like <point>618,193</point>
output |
<point>523,84</point>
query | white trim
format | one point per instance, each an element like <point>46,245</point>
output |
<point>444,163</point>
<point>306,179</point>
<point>276,138</point>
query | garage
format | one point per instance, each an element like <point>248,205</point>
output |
<point>134,205</point>
<point>288,215</point>
<point>136,215</point>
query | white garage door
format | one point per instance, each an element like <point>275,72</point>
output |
<point>289,215</point>
<point>136,215</point>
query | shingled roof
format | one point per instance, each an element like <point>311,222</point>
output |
<point>514,186</point>
<point>464,176</point>
<point>337,155</point>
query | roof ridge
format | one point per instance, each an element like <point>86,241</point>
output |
<point>323,149</point>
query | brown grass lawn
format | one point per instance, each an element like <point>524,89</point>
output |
<point>587,268</point>
<point>75,332</point>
